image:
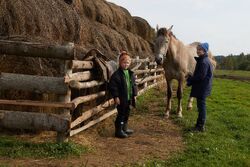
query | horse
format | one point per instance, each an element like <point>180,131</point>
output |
<point>178,62</point>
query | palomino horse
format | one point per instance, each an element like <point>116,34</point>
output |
<point>178,62</point>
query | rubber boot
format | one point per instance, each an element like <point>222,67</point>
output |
<point>126,130</point>
<point>199,128</point>
<point>118,130</point>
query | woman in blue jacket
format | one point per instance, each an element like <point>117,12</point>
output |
<point>201,83</point>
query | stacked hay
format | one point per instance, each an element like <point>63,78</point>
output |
<point>87,23</point>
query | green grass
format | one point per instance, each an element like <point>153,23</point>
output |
<point>233,73</point>
<point>226,141</point>
<point>13,148</point>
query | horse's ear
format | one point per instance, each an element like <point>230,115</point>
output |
<point>171,28</point>
<point>157,27</point>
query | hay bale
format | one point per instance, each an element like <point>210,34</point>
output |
<point>144,29</point>
<point>87,23</point>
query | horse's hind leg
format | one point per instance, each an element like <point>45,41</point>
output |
<point>179,96</point>
<point>190,103</point>
<point>169,95</point>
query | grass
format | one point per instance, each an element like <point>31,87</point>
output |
<point>13,148</point>
<point>226,141</point>
<point>233,73</point>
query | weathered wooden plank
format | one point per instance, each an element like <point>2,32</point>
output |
<point>85,65</point>
<point>83,99</point>
<point>39,84</point>
<point>138,72</point>
<point>78,76</point>
<point>147,79</point>
<point>37,103</point>
<point>29,49</point>
<point>30,120</point>
<point>87,114</point>
<point>65,98</point>
<point>84,85</point>
<point>91,123</point>
<point>140,60</point>
<point>149,87</point>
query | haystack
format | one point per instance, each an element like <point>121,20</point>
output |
<point>89,24</point>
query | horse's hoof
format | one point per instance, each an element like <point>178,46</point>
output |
<point>179,115</point>
<point>166,116</point>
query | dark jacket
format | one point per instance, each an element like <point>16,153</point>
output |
<point>118,87</point>
<point>201,81</point>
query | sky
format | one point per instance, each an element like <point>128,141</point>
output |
<point>224,24</point>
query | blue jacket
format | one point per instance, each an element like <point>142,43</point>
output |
<point>201,81</point>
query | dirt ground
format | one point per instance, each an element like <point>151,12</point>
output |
<point>154,138</point>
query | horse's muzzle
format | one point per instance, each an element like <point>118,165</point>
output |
<point>159,61</point>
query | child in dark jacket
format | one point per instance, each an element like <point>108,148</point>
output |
<point>123,89</point>
<point>201,83</point>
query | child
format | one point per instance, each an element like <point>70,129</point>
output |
<point>123,89</point>
<point>201,83</point>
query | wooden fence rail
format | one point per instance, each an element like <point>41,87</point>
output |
<point>29,49</point>
<point>32,83</point>
<point>148,75</point>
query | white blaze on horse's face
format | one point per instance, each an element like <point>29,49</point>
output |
<point>161,48</point>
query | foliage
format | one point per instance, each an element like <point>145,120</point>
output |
<point>234,62</point>
<point>226,141</point>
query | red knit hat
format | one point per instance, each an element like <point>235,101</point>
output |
<point>124,56</point>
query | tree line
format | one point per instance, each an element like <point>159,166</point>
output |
<point>234,62</point>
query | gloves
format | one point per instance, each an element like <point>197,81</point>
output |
<point>189,83</point>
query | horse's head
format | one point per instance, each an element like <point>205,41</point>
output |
<point>161,44</point>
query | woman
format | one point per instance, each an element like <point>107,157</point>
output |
<point>201,83</point>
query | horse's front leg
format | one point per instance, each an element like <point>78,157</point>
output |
<point>179,96</point>
<point>169,95</point>
<point>190,103</point>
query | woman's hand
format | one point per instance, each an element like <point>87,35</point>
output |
<point>117,101</point>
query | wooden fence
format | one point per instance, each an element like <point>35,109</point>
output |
<point>77,111</point>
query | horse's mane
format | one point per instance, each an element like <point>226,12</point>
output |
<point>162,32</point>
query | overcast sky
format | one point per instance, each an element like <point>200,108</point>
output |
<point>224,24</point>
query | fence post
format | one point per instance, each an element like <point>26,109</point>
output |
<point>63,136</point>
<point>146,73</point>
<point>155,74</point>
<point>137,60</point>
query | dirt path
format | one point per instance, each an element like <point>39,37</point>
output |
<point>154,138</point>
